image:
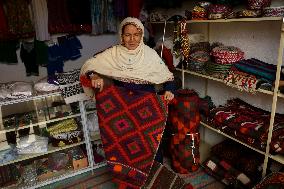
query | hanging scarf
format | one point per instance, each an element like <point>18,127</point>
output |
<point>142,65</point>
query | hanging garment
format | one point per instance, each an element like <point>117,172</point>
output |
<point>58,17</point>
<point>19,19</point>
<point>103,20</point>
<point>40,15</point>
<point>55,60</point>
<point>28,57</point>
<point>41,50</point>
<point>80,15</point>
<point>3,23</point>
<point>70,46</point>
<point>134,7</point>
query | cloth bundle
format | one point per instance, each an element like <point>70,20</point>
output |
<point>241,81</point>
<point>258,4</point>
<point>198,59</point>
<point>69,85</point>
<point>258,68</point>
<point>240,157</point>
<point>218,11</point>
<point>227,54</point>
<point>273,11</point>
<point>15,90</point>
<point>227,174</point>
<point>248,124</point>
<point>64,133</point>
<point>184,118</point>
<point>185,152</point>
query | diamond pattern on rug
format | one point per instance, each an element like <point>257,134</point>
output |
<point>135,149</point>
<point>121,125</point>
<point>131,124</point>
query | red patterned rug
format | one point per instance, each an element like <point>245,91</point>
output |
<point>131,126</point>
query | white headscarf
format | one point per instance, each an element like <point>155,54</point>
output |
<point>142,65</point>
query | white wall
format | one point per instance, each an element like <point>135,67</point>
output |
<point>91,45</point>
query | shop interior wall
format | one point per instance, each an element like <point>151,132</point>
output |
<point>91,45</point>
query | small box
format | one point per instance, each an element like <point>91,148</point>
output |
<point>80,163</point>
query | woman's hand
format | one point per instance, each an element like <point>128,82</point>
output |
<point>169,96</point>
<point>97,82</point>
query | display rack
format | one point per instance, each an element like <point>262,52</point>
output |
<point>87,140</point>
<point>275,93</point>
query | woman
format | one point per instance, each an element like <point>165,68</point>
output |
<point>131,64</point>
<point>131,115</point>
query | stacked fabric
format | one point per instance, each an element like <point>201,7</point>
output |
<point>199,13</point>
<point>224,57</point>
<point>258,68</point>
<point>218,11</point>
<point>258,4</point>
<point>197,60</point>
<point>227,54</point>
<point>7,153</point>
<point>248,124</point>
<point>273,11</point>
<point>227,174</point>
<point>15,90</point>
<point>240,157</point>
<point>65,133</point>
<point>241,80</point>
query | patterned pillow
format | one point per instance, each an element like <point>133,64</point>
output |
<point>70,86</point>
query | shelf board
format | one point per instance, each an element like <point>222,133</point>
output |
<point>51,149</point>
<point>13,101</point>
<point>228,136</point>
<point>39,123</point>
<point>221,81</point>
<point>278,158</point>
<point>228,20</point>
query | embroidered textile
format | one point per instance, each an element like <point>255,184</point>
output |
<point>184,118</point>
<point>70,86</point>
<point>247,123</point>
<point>131,126</point>
<point>241,81</point>
<point>185,152</point>
<point>240,157</point>
<point>223,171</point>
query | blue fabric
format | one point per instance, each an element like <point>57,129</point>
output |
<point>55,60</point>
<point>258,68</point>
<point>70,46</point>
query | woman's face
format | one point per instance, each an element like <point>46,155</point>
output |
<point>131,36</point>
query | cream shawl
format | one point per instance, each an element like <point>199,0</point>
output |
<point>142,65</point>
